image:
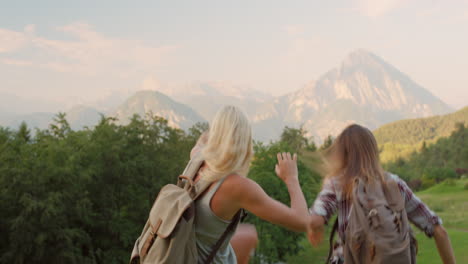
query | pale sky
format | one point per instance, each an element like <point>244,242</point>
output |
<point>79,51</point>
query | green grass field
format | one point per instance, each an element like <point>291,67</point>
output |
<point>449,200</point>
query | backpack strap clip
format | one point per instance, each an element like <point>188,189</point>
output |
<point>190,184</point>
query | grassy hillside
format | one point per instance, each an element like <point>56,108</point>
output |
<point>412,131</point>
<point>449,200</point>
<point>401,138</point>
<point>436,162</point>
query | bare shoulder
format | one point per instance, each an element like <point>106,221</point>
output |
<point>239,186</point>
<point>233,194</point>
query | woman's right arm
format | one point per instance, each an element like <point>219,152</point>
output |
<point>250,196</point>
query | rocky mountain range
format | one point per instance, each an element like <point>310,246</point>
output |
<point>363,89</point>
<point>178,115</point>
<point>207,97</point>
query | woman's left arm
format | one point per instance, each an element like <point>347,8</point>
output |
<point>425,219</point>
<point>443,244</point>
<point>418,212</point>
<point>325,205</point>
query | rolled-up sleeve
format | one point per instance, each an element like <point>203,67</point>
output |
<point>418,212</point>
<point>326,203</point>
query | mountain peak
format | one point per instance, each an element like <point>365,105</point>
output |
<point>362,57</point>
<point>142,102</point>
<point>364,89</point>
<point>361,53</point>
<point>150,93</point>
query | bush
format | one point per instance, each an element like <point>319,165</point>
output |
<point>426,183</point>
<point>439,174</point>
<point>450,182</point>
<point>415,184</point>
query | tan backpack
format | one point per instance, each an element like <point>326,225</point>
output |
<point>378,230</point>
<point>169,235</point>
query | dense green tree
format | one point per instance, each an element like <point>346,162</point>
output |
<point>294,138</point>
<point>24,133</point>
<point>297,140</point>
<point>276,243</point>
<point>83,196</point>
<point>327,142</point>
<point>197,130</point>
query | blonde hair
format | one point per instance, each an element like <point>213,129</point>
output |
<point>354,154</point>
<point>229,147</point>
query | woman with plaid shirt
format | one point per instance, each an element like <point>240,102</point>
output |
<point>355,154</point>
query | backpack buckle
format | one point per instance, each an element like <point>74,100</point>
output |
<point>190,184</point>
<point>372,213</point>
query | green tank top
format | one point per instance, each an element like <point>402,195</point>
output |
<point>209,228</point>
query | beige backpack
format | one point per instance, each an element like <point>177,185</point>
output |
<point>378,230</point>
<point>169,235</point>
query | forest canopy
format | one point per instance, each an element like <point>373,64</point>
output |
<point>83,196</point>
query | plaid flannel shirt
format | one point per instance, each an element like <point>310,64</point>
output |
<point>330,200</point>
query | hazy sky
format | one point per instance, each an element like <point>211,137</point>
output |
<point>78,51</point>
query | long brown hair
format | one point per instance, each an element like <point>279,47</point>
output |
<point>354,153</point>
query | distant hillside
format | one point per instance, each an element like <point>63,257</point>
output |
<point>34,120</point>
<point>83,116</point>
<point>78,117</point>
<point>178,115</point>
<point>413,131</point>
<point>437,161</point>
<point>208,97</point>
<point>18,105</point>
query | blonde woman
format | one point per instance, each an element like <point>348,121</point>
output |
<point>354,154</point>
<point>227,150</point>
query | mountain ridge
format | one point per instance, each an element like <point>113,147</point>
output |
<point>178,115</point>
<point>364,84</point>
<point>412,131</point>
<point>362,89</point>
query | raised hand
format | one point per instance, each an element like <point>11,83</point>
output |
<point>286,169</point>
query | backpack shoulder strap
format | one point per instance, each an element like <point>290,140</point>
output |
<point>198,188</point>
<point>332,239</point>
<point>392,194</point>
<point>235,220</point>
<point>186,180</point>
<point>192,168</point>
